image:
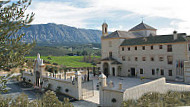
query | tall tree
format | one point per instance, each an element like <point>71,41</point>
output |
<point>13,18</point>
<point>12,50</point>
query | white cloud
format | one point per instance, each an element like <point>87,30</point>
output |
<point>173,9</point>
<point>67,13</point>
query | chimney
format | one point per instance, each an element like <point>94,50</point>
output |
<point>111,84</point>
<point>120,86</point>
<point>175,35</point>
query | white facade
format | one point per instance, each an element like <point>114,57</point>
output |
<point>149,60</point>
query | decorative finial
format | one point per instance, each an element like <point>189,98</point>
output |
<point>104,21</point>
<point>38,56</point>
<point>142,19</point>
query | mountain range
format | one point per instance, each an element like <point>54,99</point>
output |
<point>59,34</point>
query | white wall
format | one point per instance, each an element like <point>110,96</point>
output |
<point>64,85</point>
<point>179,53</point>
<point>74,89</point>
<point>108,95</point>
<point>136,92</point>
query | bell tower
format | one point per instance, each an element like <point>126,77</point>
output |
<point>104,29</point>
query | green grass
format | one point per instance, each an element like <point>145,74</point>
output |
<point>68,61</point>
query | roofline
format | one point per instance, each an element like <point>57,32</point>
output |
<point>116,38</point>
<point>143,29</point>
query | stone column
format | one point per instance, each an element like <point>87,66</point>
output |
<point>116,71</point>
<point>102,84</point>
<point>79,85</point>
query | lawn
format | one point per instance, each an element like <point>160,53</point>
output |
<point>69,61</point>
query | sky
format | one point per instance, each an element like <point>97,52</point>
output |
<point>164,15</point>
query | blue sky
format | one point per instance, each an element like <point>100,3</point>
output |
<point>164,15</point>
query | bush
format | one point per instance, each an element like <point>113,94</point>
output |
<point>49,58</point>
<point>49,99</point>
<point>55,63</point>
<point>170,99</point>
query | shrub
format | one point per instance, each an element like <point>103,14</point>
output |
<point>55,63</point>
<point>170,99</point>
<point>49,99</point>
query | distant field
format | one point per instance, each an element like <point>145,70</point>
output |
<point>69,61</point>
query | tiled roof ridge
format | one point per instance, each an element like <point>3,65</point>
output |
<point>142,26</point>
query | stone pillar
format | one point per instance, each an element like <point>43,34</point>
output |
<point>102,79</point>
<point>120,86</point>
<point>78,84</point>
<point>111,84</point>
<point>102,84</point>
<point>116,71</point>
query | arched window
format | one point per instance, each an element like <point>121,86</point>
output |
<point>110,54</point>
<point>105,30</point>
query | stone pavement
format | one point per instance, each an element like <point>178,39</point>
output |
<point>84,103</point>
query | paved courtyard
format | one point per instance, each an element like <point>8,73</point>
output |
<point>127,82</point>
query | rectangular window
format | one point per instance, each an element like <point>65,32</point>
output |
<point>151,47</point>
<point>161,72</point>
<point>135,47</point>
<point>143,58</point>
<point>141,71</point>
<point>152,58</point>
<point>143,47</point>
<point>153,71</point>
<point>136,58</point>
<point>123,58</point>
<point>170,60</point>
<point>161,58</point>
<point>170,72</point>
<point>128,48</point>
<point>123,48</point>
<point>169,48</point>
<point>160,46</point>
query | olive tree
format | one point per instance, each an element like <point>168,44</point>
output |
<point>12,19</point>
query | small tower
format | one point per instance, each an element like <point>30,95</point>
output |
<point>104,29</point>
<point>39,69</point>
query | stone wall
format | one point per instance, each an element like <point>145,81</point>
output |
<point>66,87</point>
<point>158,85</point>
<point>187,72</point>
<point>29,77</point>
<point>109,96</point>
<point>137,91</point>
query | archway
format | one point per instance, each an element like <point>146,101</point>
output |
<point>106,69</point>
<point>113,71</point>
<point>37,78</point>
